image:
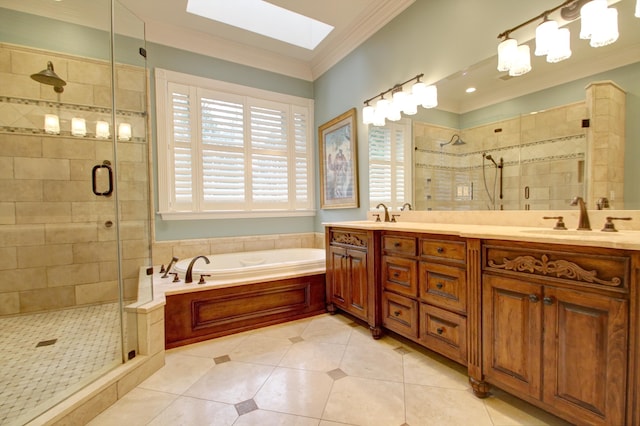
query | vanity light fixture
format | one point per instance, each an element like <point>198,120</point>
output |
<point>401,101</point>
<point>599,25</point>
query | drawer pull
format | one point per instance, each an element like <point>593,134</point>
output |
<point>439,330</point>
<point>396,274</point>
<point>397,244</point>
<point>439,285</point>
<point>440,250</point>
<point>548,300</point>
<point>534,298</point>
<point>397,313</point>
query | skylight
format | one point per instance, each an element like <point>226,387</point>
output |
<point>264,18</point>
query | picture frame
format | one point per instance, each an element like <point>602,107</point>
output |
<point>338,147</point>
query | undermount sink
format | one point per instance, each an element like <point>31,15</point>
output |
<point>567,232</point>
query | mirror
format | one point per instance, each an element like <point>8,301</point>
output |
<point>505,153</point>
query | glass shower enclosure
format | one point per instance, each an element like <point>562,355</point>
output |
<point>74,197</point>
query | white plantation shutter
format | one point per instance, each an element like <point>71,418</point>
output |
<point>389,157</point>
<point>230,152</point>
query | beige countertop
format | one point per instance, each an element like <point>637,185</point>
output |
<point>623,239</point>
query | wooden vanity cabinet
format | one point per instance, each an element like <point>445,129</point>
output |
<point>424,294</point>
<point>350,275</point>
<point>555,327</point>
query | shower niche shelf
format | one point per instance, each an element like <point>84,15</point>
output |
<point>26,116</point>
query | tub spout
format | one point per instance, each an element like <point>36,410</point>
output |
<point>188,277</point>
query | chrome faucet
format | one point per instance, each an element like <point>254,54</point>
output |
<point>583,222</point>
<point>188,277</point>
<point>166,272</point>
<point>406,205</point>
<point>386,212</point>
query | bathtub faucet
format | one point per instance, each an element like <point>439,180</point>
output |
<point>188,277</point>
<point>166,272</point>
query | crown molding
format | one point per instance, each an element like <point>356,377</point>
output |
<point>368,24</point>
<point>208,45</point>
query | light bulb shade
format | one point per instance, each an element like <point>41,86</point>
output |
<point>590,15</point>
<point>411,105</point>
<point>368,114</point>
<point>400,99</point>
<point>102,130</point>
<point>379,120</point>
<point>606,31</point>
<point>51,124</point>
<point>522,64</point>
<point>78,127</point>
<point>124,131</point>
<point>430,99</point>
<point>545,37</point>
<point>382,107</point>
<point>638,9</point>
<point>394,112</point>
<point>507,53</point>
<point>561,46</point>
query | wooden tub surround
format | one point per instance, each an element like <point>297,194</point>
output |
<point>554,321</point>
<point>201,315</point>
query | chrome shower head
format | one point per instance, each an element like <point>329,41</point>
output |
<point>50,78</point>
<point>455,140</point>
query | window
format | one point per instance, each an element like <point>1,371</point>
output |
<point>390,165</point>
<point>231,151</point>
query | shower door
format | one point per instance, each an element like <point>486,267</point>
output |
<point>74,216</point>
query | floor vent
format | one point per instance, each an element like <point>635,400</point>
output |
<point>46,343</point>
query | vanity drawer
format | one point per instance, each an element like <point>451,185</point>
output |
<point>443,286</point>
<point>444,332</point>
<point>399,244</point>
<point>443,249</point>
<point>400,314</point>
<point>400,275</point>
<point>597,268</point>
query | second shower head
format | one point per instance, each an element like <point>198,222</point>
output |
<point>455,140</point>
<point>50,78</point>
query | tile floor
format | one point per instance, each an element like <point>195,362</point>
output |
<point>46,357</point>
<point>324,370</point>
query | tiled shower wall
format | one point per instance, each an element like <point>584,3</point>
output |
<point>56,248</point>
<point>544,163</point>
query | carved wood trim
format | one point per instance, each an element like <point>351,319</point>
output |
<point>350,239</point>
<point>561,269</point>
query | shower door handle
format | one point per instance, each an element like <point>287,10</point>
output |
<point>94,179</point>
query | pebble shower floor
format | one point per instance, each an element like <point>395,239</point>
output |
<point>45,357</point>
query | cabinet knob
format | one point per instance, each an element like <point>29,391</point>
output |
<point>397,313</point>
<point>397,244</point>
<point>439,285</point>
<point>534,298</point>
<point>440,330</point>
<point>396,275</point>
<point>548,300</point>
<point>440,250</point>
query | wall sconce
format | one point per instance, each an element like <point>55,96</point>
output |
<point>402,101</point>
<point>124,132</point>
<point>102,130</point>
<point>78,127</point>
<point>599,25</point>
<point>51,124</point>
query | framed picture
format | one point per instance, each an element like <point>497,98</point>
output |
<point>339,162</point>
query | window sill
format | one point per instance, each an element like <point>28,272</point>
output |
<point>233,214</point>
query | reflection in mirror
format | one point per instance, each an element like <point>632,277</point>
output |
<point>535,125</point>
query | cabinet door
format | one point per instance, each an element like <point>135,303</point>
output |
<point>585,340</point>
<point>358,283</point>
<point>338,276</point>
<point>512,339</point>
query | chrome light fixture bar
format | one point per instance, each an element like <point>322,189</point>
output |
<point>599,25</point>
<point>400,101</point>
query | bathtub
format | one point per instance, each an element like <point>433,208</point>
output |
<point>255,264</point>
<point>244,291</point>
